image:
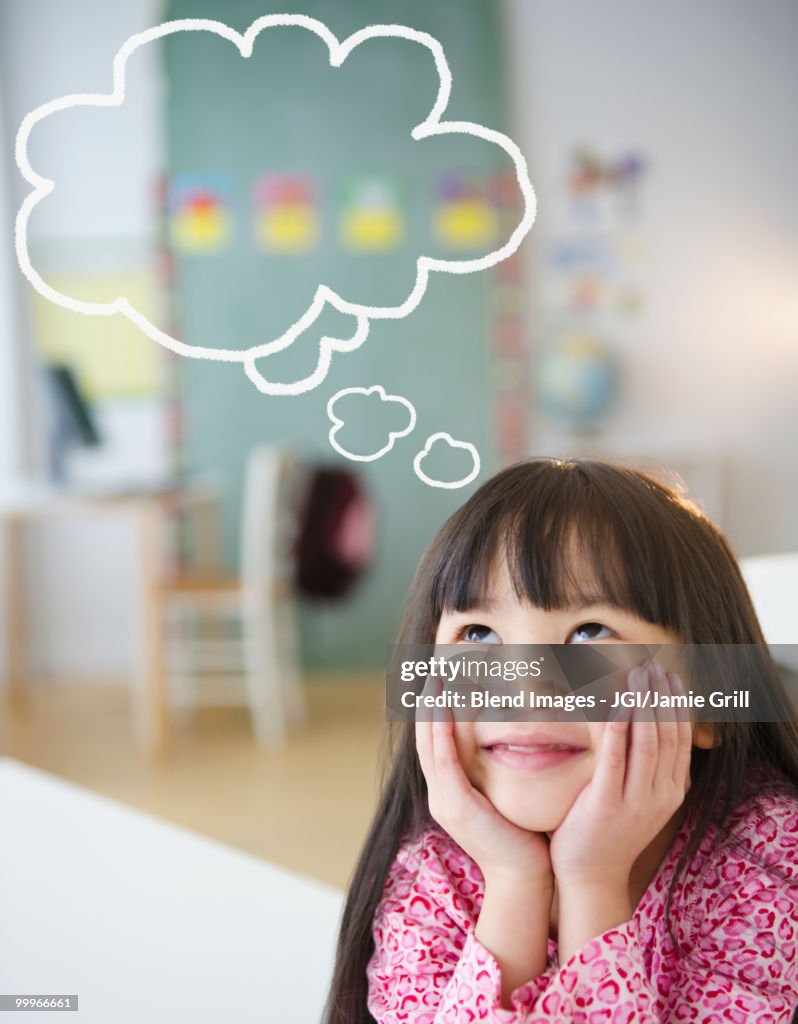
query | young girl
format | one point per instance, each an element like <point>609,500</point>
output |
<point>650,873</point>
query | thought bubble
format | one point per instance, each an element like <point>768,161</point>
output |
<point>448,439</point>
<point>393,435</point>
<point>339,50</point>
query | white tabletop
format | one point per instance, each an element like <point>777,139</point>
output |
<point>147,922</point>
<point>21,497</point>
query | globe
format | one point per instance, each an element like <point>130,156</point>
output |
<point>577,380</point>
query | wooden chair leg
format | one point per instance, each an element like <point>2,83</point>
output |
<point>290,675</point>
<point>150,704</point>
<point>262,675</point>
<point>14,600</point>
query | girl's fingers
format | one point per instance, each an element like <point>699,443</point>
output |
<point>424,745</point>
<point>681,767</point>
<point>424,737</point>
<point>437,752</point>
<point>610,772</point>
<point>644,750</point>
<point>448,769</point>
<point>667,729</point>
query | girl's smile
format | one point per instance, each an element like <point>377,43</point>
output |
<point>531,750</point>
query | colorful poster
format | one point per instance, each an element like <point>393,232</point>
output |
<point>371,217</point>
<point>603,190</point>
<point>464,215</point>
<point>286,213</point>
<point>199,213</point>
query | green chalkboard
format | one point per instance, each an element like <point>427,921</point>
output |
<point>289,112</point>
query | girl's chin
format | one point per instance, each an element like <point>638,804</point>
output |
<point>532,822</point>
<point>516,808</point>
<point>533,826</point>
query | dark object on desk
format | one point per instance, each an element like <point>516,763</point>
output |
<point>335,544</point>
<point>72,423</point>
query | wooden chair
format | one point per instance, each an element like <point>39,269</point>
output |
<point>238,636</point>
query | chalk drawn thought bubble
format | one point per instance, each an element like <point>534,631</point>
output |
<point>443,438</point>
<point>393,435</point>
<point>339,50</point>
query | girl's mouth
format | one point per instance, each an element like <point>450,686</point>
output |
<point>532,756</point>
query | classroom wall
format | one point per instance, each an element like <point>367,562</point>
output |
<point>707,93</point>
<point>11,434</point>
<point>708,90</point>
<point>79,572</point>
<point>84,573</point>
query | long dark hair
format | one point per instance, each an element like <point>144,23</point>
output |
<point>655,554</point>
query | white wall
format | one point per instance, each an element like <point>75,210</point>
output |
<point>81,575</point>
<point>51,48</point>
<point>11,432</point>
<point>707,91</point>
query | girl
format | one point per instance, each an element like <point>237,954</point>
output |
<point>650,872</point>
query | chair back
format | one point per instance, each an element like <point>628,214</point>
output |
<point>772,582</point>
<point>270,509</point>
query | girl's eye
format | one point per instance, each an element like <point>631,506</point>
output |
<point>590,631</point>
<point>475,633</point>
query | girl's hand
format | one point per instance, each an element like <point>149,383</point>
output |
<point>502,850</point>
<point>631,797</point>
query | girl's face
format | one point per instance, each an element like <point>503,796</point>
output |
<point>536,799</point>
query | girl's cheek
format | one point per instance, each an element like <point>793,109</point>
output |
<point>467,750</point>
<point>464,738</point>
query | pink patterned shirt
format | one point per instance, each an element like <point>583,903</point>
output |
<point>737,923</point>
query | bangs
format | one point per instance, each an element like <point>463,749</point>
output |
<point>566,541</point>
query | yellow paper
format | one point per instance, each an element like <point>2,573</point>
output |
<point>372,229</point>
<point>200,230</point>
<point>291,227</point>
<point>110,355</point>
<point>465,223</point>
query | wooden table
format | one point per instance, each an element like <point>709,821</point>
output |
<point>145,921</point>
<point>146,510</point>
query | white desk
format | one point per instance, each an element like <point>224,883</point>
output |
<point>149,923</point>
<point>772,582</point>
<point>26,502</point>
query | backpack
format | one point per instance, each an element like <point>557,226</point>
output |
<point>336,538</point>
